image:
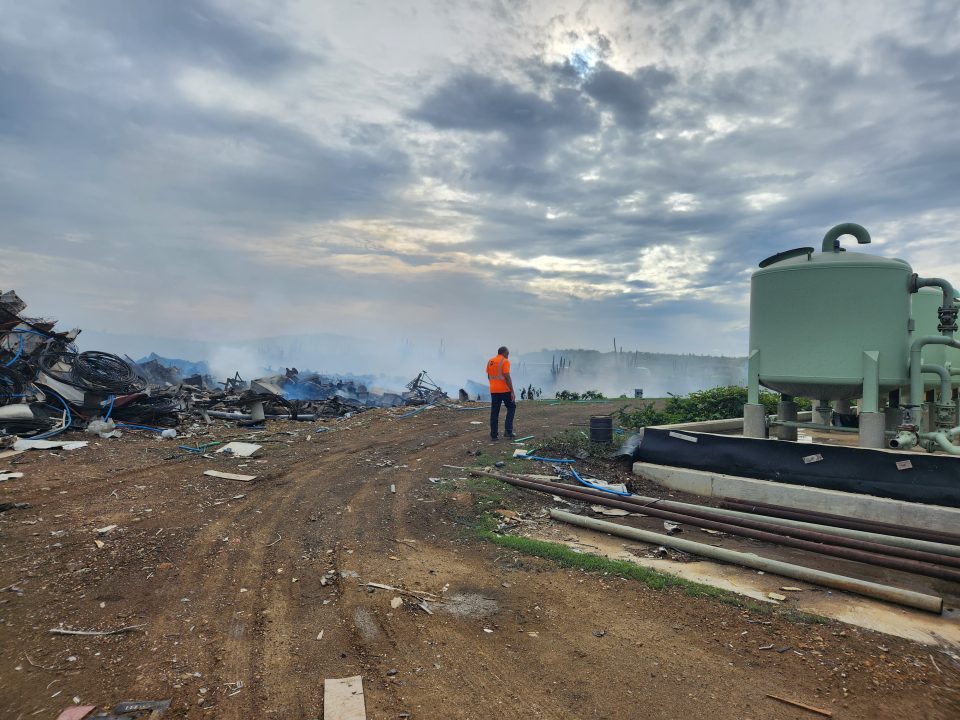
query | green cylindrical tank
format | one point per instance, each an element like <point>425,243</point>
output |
<point>924,306</point>
<point>813,315</point>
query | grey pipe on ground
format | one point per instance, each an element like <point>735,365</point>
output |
<point>880,556</point>
<point>877,538</point>
<point>822,518</point>
<point>908,598</point>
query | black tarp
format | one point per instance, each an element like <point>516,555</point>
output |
<point>931,478</point>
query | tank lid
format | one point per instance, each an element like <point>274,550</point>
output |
<point>792,259</point>
<point>786,255</point>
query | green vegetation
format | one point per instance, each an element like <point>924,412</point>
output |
<point>714,404</point>
<point>585,395</point>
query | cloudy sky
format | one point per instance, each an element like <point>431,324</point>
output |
<point>545,174</point>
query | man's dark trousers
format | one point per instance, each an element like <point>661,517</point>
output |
<point>495,401</point>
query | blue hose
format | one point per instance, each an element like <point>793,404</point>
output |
<point>554,460</point>
<point>140,427</point>
<point>21,333</point>
<point>66,425</point>
<point>109,409</point>
<point>597,487</point>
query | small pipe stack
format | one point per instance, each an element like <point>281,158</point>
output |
<point>936,555</point>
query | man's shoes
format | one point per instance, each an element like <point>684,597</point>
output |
<point>494,437</point>
<point>509,435</point>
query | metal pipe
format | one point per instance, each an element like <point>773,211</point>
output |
<point>841,521</point>
<point>916,372</point>
<point>812,426</point>
<point>905,439</point>
<point>830,243</point>
<point>909,598</point>
<point>943,440</point>
<point>946,390</point>
<point>753,522</point>
<point>773,534</point>
<point>223,415</point>
<point>926,546</point>
<point>949,294</point>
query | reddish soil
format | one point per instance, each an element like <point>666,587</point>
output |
<point>229,590</point>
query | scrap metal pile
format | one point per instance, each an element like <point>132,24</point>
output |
<point>293,396</point>
<point>47,386</point>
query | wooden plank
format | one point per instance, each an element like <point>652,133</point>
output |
<point>343,699</point>
<point>811,708</point>
<point>229,476</point>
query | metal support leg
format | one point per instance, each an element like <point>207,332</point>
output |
<point>754,420</point>
<point>786,410</point>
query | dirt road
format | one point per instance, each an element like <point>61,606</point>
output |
<point>250,594</point>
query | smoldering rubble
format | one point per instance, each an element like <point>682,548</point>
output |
<point>48,386</point>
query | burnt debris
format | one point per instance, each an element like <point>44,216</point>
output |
<point>48,386</point>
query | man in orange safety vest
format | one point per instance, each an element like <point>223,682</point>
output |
<point>501,392</point>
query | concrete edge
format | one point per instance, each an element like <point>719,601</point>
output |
<point>863,507</point>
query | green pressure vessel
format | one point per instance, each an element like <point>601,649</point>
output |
<point>924,306</point>
<point>814,315</point>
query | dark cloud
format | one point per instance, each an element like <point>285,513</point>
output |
<point>478,103</point>
<point>632,96</point>
<point>197,32</point>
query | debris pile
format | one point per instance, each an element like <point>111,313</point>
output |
<point>47,386</point>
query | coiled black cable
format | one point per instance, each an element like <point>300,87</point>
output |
<point>97,370</point>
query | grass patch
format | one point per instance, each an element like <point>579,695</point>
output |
<point>565,557</point>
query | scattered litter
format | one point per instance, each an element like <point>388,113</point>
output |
<point>76,712</point>
<point>791,588</point>
<point>396,602</point>
<point>279,538</point>
<point>794,703</point>
<point>523,439</point>
<point>343,699</point>
<point>419,594</point>
<point>599,633</point>
<point>118,631</point>
<point>229,476</point>
<point>154,707</point>
<point>106,530</point>
<point>671,527</point>
<point>100,544</point>
<point>393,488</point>
<point>240,449</point>
<point>507,514</point>
<point>476,422</point>
<point>487,630</point>
<point>25,444</point>
<point>10,476</point>
<point>776,596</point>
<point>320,635</point>
<point>613,512</point>
<point>520,453</point>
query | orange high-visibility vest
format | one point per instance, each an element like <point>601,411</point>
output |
<point>497,368</point>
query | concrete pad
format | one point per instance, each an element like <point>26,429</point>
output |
<point>864,507</point>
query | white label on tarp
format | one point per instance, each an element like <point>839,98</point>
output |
<point>681,436</point>
<point>904,465</point>
<point>813,458</point>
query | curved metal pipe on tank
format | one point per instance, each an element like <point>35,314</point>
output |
<point>946,390</point>
<point>949,294</point>
<point>830,239</point>
<point>917,366</point>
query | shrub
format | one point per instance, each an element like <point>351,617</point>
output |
<point>714,404</point>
